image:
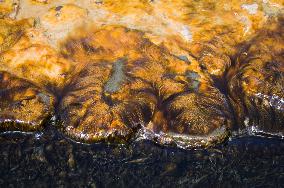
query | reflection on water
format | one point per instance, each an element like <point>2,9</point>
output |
<point>48,159</point>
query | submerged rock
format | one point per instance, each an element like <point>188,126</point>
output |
<point>23,106</point>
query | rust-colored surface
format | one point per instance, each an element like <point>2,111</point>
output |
<point>124,81</point>
<point>259,77</point>
<point>182,71</point>
<point>23,106</point>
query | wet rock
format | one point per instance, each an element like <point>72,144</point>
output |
<point>123,82</point>
<point>33,59</point>
<point>23,106</point>
<point>257,83</point>
<point>163,81</point>
<point>214,56</point>
<point>97,97</point>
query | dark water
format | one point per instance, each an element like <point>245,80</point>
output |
<point>49,160</point>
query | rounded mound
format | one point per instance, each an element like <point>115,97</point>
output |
<point>124,83</point>
<point>23,106</point>
<point>257,84</point>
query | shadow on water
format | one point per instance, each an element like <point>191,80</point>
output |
<point>47,159</point>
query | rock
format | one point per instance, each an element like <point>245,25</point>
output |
<point>26,54</point>
<point>23,106</point>
<point>59,21</point>
<point>141,69</point>
<point>257,82</point>
<point>124,82</point>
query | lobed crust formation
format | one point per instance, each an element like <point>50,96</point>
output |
<point>113,81</point>
<point>23,105</point>
<point>139,85</point>
<point>259,76</point>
